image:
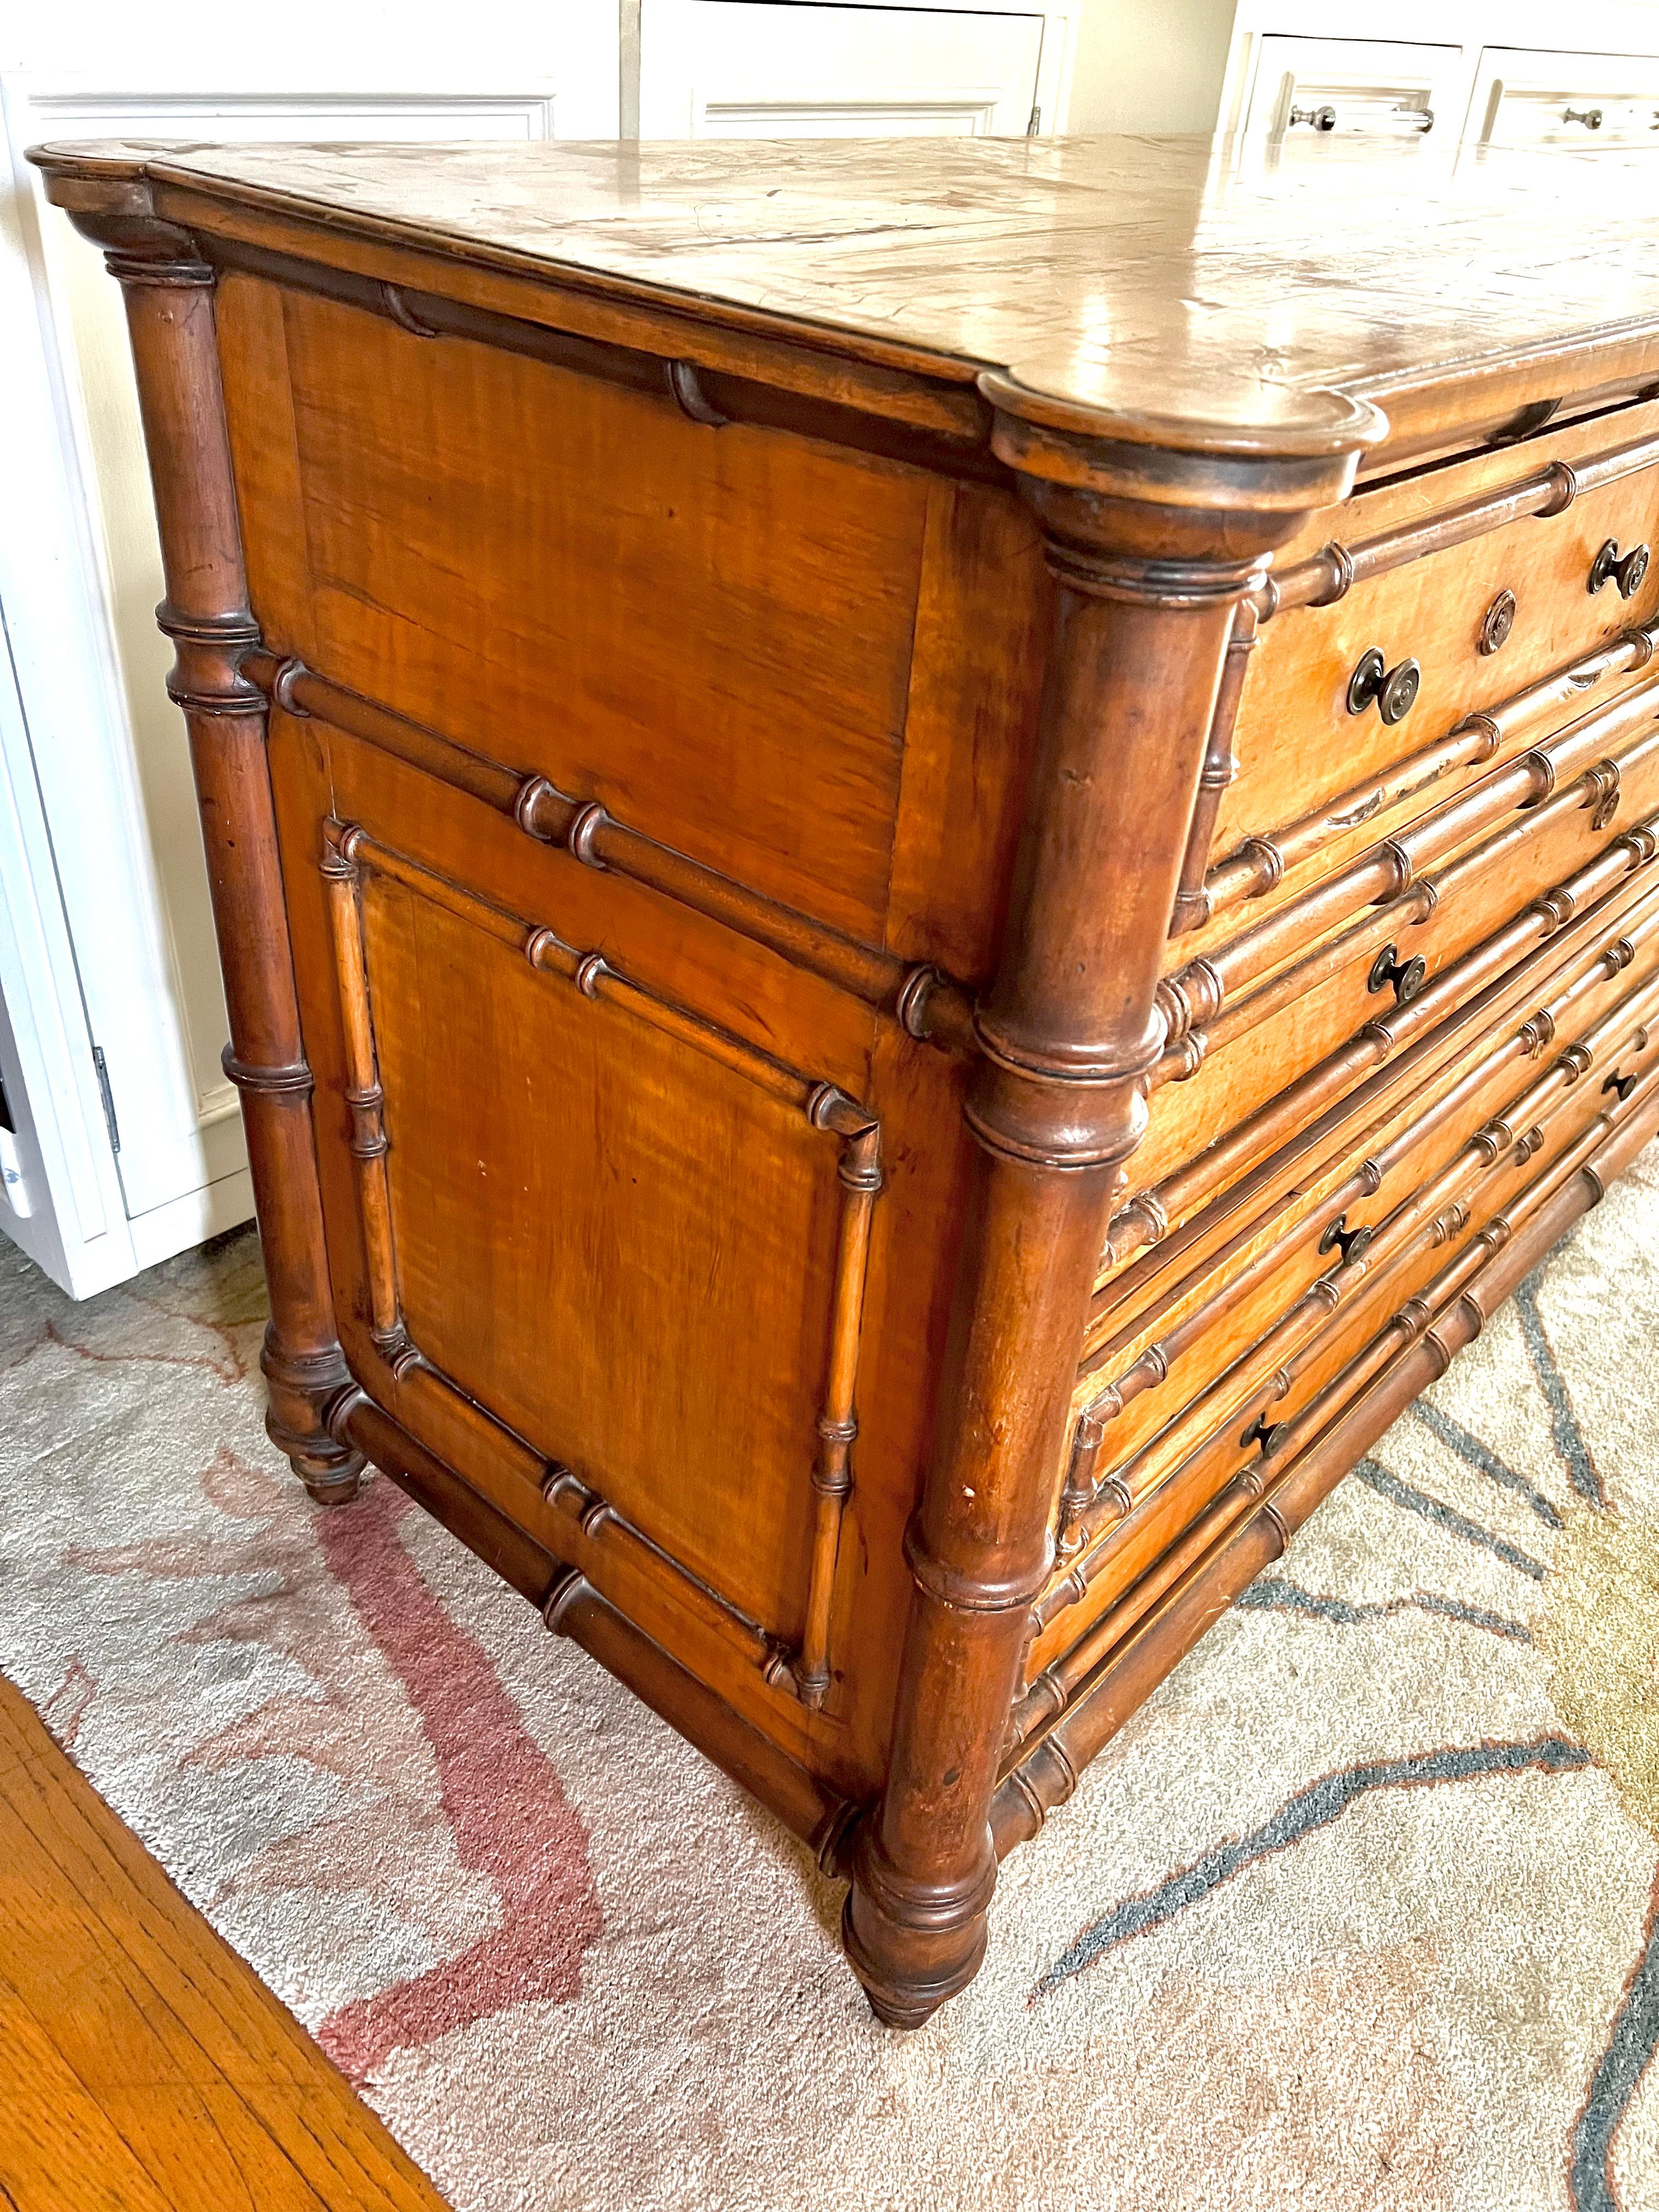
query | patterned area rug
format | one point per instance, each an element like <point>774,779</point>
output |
<point>1358,1913</point>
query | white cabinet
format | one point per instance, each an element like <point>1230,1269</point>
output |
<point>1445,81</point>
<point>127,1138</point>
<point>734,68</point>
<point>1392,95</point>
<point>1526,98</point>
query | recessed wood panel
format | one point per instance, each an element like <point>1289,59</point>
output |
<point>621,1248</point>
<point>707,630</point>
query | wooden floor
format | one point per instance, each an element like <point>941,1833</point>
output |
<point>143,2068</point>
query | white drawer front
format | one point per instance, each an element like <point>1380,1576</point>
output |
<point>1307,92</point>
<point>1525,97</point>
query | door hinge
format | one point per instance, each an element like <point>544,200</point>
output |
<point>1035,123</point>
<point>108,1097</point>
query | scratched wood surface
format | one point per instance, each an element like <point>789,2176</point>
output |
<point>1131,277</point>
<point>143,2067</point>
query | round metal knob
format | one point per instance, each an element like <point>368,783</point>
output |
<point>1589,117</point>
<point>1628,573</point>
<point>1395,690</point>
<point>1624,1085</point>
<point>1408,976</point>
<point>1352,1243</point>
<point>1496,623</point>
<point>1262,1432</point>
<point>1320,118</point>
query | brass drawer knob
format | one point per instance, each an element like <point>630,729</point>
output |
<point>1395,690</point>
<point>1496,623</point>
<point>1607,568</point>
<point>1408,976</point>
<point>1624,1085</point>
<point>1352,1243</point>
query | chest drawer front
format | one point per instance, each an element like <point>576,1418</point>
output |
<point>1375,659</point>
<point>1577,102</point>
<point>1157,1340</point>
<point>1250,1019</point>
<point>1143,1476</point>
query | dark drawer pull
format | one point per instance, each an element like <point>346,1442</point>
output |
<point>1395,690</point>
<point>1262,1431</point>
<point>1624,1085</point>
<point>1408,976</point>
<point>1607,568</point>
<point>1352,1243</point>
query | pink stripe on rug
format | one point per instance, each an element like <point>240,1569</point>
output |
<point>504,1800</point>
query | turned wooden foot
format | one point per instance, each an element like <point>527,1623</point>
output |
<point>913,1944</point>
<point>304,1388</point>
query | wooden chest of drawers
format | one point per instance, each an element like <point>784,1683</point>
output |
<point>932,861</point>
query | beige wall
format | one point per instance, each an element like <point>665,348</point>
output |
<point>1150,64</point>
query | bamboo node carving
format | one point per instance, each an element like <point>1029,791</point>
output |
<point>533,793</point>
<point>911,1004</point>
<point>1487,730</point>
<point>591,972</point>
<point>402,314</point>
<point>1563,476</point>
<point>1574,1063</point>
<point>1541,771</point>
<point>1340,561</point>
<point>584,828</point>
<point>1402,864</point>
<point>567,1587</point>
<point>191,273</point>
<point>293,1079</point>
<point>281,688</point>
<point>966,1592</point>
<point>685,384</point>
<point>1601,793</point>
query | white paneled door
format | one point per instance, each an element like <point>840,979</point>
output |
<point>732,68</point>
<point>94,746</point>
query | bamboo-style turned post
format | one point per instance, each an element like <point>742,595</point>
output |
<point>364,1098</point>
<point>1152,552</point>
<point>168,290</point>
<point>859,1174</point>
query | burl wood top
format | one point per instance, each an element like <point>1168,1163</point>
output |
<point>1129,284</point>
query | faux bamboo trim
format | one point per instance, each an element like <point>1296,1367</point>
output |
<point>1570,911</point>
<point>1525,1042</point>
<point>1251,1385</point>
<point>927,1003</point>
<point>1046,1772</point>
<point>1435,1215</point>
<point>598,1519</point>
<point>806,1806</point>
<point>1330,574</point>
<point>808,1672</point>
<point>1262,860</point>
<point>364,1096</point>
<point>895,411</point>
<point>1193,900</point>
<point>348,850</point>
<point>1201,1002</point>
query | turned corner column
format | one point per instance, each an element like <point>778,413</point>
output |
<point>1152,547</point>
<point>168,289</point>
